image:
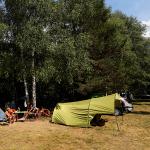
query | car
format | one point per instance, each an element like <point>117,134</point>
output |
<point>146,96</point>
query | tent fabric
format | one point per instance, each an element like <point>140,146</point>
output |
<point>2,115</point>
<point>128,107</point>
<point>80,113</point>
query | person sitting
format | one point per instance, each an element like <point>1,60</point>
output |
<point>10,115</point>
<point>44,112</point>
<point>98,121</point>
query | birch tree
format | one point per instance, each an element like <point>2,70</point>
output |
<point>27,20</point>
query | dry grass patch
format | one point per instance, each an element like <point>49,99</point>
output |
<point>134,134</point>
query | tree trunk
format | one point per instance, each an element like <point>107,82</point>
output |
<point>34,91</point>
<point>26,89</point>
<point>33,81</point>
<point>24,79</point>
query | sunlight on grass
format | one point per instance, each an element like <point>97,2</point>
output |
<point>134,134</point>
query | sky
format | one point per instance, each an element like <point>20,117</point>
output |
<point>136,8</point>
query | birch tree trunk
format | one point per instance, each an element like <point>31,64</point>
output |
<point>33,81</point>
<point>24,79</point>
<point>26,89</point>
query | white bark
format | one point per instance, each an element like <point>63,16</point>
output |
<point>26,89</point>
<point>33,81</point>
<point>34,90</point>
<point>24,80</point>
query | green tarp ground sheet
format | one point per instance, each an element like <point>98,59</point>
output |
<point>80,113</point>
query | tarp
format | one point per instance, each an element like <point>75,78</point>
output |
<point>80,113</point>
<point>2,115</point>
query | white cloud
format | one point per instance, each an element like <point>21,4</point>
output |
<point>147,33</point>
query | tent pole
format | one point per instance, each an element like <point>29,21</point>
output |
<point>122,118</point>
<point>88,114</point>
<point>122,113</point>
<point>116,115</point>
<point>117,123</point>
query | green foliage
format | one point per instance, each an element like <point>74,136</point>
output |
<point>78,47</point>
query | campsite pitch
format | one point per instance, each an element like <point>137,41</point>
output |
<point>134,134</point>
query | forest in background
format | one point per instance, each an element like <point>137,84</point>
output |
<point>59,50</point>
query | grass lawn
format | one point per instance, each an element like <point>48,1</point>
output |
<point>134,134</point>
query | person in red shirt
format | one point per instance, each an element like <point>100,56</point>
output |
<point>10,115</point>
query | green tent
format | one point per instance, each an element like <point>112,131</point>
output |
<point>80,113</point>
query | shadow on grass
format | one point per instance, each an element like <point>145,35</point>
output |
<point>141,100</point>
<point>141,112</point>
<point>141,103</point>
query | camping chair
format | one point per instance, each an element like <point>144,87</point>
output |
<point>44,112</point>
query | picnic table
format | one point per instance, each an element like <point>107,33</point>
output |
<point>22,113</point>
